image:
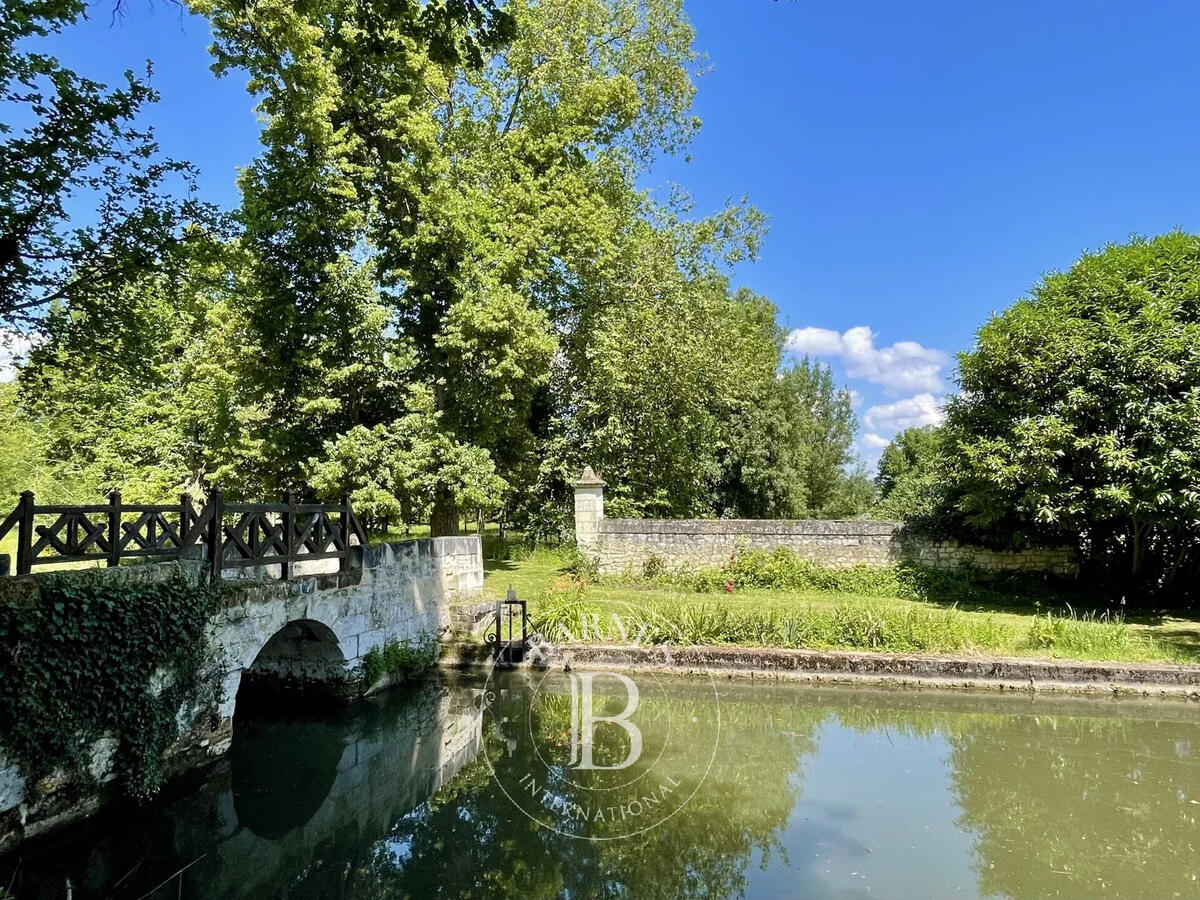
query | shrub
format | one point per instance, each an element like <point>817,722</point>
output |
<point>568,588</point>
<point>778,569</point>
<point>782,570</point>
<point>400,659</point>
<point>581,565</point>
<point>566,621</point>
<point>1103,636</point>
<point>654,566</point>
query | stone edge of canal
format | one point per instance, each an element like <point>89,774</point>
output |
<point>834,666</point>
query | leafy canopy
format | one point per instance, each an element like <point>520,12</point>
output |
<point>79,146</point>
<point>1079,417</point>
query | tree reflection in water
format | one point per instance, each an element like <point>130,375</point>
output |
<point>1109,807</point>
<point>471,841</point>
<point>1027,798</point>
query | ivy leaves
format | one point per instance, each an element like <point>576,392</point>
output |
<point>93,657</point>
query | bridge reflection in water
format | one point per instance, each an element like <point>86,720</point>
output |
<point>294,797</point>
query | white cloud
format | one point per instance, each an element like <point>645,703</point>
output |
<point>904,367</point>
<point>816,341</point>
<point>875,441</point>
<point>923,409</point>
<point>14,347</point>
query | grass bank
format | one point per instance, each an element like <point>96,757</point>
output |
<point>878,610</point>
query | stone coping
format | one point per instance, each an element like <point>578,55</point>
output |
<point>749,526</point>
<point>989,673</point>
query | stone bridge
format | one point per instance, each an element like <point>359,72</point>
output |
<point>316,629</point>
<point>310,632</point>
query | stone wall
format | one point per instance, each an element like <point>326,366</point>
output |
<point>397,591</point>
<point>624,545</point>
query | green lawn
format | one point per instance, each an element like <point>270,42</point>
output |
<point>828,620</point>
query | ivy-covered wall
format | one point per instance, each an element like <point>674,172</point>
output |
<point>103,671</point>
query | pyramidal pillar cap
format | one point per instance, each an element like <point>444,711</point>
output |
<point>588,478</point>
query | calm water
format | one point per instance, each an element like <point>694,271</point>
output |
<point>468,789</point>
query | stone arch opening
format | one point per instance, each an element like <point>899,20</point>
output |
<point>302,661</point>
<point>279,781</point>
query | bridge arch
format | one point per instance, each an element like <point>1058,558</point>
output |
<point>302,660</point>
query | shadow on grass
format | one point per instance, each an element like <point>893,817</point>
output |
<point>1181,635</point>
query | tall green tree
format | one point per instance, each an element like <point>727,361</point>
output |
<point>325,75</point>
<point>144,397</point>
<point>1079,416</point>
<point>791,448</point>
<point>489,198</point>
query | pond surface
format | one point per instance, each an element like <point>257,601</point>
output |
<point>471,789</point>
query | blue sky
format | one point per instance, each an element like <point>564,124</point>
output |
<point>921,164</point>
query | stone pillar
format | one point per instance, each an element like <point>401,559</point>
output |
<point>589,510</point>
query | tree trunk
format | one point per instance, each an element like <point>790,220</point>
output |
<point>443,521</point>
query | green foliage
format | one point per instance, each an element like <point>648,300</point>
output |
<point>400,658</point>
<point>144,397</point>
<point>974,588</point>
<point>788,448</point>
<point>910,476</point>
<point>654,566</point>
<point>779,569</point>
<point>782,569</point>
<point>486,193</point>
<point>846,626</point>
<point>1100,637</point>
<point>447,291</point>
<point>512,547</point>
<point>396,471</point>
<point>1079,417</point>
<point>579,564</point>
<point>78,144</point>
<point>25,459</point>
<point>92,657</point>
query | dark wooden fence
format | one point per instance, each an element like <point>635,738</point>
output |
<point>244,534</point>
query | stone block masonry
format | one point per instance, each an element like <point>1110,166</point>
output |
<point>316,626</point>
<point>624,545</point>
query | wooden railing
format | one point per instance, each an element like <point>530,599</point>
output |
<point>244,534</point>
